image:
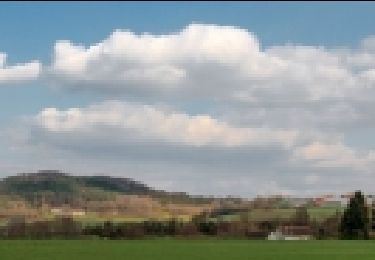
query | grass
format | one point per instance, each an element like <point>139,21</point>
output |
<point>318,214</point>
<point>186,250</point>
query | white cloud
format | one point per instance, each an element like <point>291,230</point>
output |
<point>191,61</point>
<point>336,155</point>
<point>131,120</point>
<point>18,72</point>
<point>214,61</point>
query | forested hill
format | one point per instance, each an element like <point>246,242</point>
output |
<point>56,187</point>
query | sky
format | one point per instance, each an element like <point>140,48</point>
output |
<point>209,98</point>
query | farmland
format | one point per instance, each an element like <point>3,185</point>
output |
<point>184,249</point>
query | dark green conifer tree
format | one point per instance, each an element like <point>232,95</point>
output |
<point>355,222</point>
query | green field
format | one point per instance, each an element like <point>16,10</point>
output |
<point>184,250</point>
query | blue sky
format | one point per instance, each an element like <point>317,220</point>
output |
<point>295,38</point>
<point>316,23</point>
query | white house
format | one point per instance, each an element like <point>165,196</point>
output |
<point>291,233</point>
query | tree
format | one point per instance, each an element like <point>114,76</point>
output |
<point>354,223</point>
<point>301,217</point>
<point>329,228</point>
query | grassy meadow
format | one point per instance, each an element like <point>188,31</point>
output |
<point>185,250</point>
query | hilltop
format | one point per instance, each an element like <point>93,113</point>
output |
<point>39,194</point>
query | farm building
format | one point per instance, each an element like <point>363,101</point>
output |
<point>291,233</point>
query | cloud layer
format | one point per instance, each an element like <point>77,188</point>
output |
<point>135,121</point>
<point>165,143</point>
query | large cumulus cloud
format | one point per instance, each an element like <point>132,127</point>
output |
<point>215,61</point>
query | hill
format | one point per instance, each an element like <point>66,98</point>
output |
<point>96,196</point>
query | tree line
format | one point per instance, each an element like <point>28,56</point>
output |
<point>353,223</point>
